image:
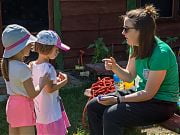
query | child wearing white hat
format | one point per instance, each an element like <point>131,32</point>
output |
<point>17,42</point>
<point>51,118</point>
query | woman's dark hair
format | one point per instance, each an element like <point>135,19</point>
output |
<point>5,68</point>
<point>44,49</point>
<point>143,20</point>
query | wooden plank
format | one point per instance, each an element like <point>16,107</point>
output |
<point>80,0</point>
<point>111,7</point>
<point>80,22</point>
<point>58,29</point>
<point>168,29</point>
<point>79,39</point>
<point>71,8</point>
<point>78,8</point>
<point>110,20</point>
<point>91,22</point>
<point>112,36</point>
<point>173,123</point>
<point>50,14</point>
<point>86,0</point>
<point>1,46</point>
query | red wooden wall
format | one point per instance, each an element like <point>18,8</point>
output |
<point>83,21</point>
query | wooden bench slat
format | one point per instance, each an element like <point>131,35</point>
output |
<point>172,124</point>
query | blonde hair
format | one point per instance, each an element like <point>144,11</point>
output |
<point>152,11</point>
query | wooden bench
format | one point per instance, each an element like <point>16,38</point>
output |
<point>172,124</point>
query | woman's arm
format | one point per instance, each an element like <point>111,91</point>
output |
<point>153,84</point>
<point>127,74</point>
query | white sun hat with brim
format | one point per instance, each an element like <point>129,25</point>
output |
<point>15,38</point>
<point>49,37</point>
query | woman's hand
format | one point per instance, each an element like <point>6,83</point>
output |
<point>107,100</point>
<point>110,63</point>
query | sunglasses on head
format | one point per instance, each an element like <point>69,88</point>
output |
<point>126,29</point>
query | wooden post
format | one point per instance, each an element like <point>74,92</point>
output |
<point>51,19</point>
<point>51,14</point>
<point>1,27</point>
<point>57,27</point>
<point>131,4</point>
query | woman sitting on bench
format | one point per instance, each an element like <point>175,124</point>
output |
<point>155,63</point>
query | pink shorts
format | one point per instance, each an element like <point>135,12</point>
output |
<point>20,111</point>
<point>58,127</point>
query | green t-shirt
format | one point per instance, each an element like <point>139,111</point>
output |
<point>163,58</point>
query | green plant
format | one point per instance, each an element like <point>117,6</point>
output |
<point>100,50</point>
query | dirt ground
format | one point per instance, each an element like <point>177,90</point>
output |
<point>158,131</point>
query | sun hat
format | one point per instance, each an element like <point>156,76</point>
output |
<point>49,37</point>
<point>15,38</point>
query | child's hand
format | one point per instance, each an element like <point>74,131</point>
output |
<point>61,77</point>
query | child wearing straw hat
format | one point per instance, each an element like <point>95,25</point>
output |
<point>17,42</point>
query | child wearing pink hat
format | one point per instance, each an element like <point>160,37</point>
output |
<point>51,118</point>
<point>17,42</point>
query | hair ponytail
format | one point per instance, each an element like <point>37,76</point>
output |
<point>5,68</point>
<point>152,11</point>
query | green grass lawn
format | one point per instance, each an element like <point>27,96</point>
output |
<point>3,123</point>
<point>74,102</point>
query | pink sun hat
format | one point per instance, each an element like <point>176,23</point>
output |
<point>49,37</point>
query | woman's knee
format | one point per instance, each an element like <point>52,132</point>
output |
<point>91,105</point>
<point>112,114</point>
<point>108,115</point>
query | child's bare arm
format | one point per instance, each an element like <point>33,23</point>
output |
<point>62,80</point>
<point>33,92</point>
